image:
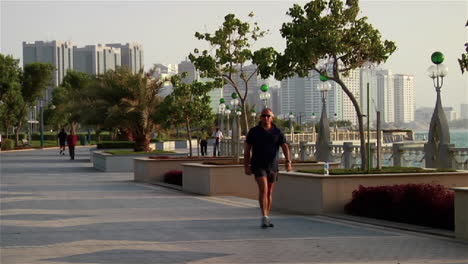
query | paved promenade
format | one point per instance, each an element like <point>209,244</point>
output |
<point>54,210</point>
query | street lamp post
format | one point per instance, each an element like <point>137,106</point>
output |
<point>238,129</point>
<point>264,95</point>
<point>227,112</point>
<point>291,117</point>
<point>313,122</point>
<point>41,109</point>
<point>323,142</point>
<point>436,149</point>
<point>253,114</point>
<point>235,130</point>
<point>221,108</point>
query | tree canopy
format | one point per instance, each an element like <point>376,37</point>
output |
<point>231,52</point>
<point>326,36</point>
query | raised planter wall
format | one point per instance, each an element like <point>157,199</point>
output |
<point>91,150</point>
<point>185,143</point>
<point>227,179</point>
<point>167,145</point>
<point>153,170</point>
<point>318,194</point>
<point>461,212</point>
<point>120,163</point>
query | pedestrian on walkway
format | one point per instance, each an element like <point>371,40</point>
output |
<point>71,140</point>
<point>62,136</point>
<point>203,137</point>
<point>218,136</point>
<point>264,141</point>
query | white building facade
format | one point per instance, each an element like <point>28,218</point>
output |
<point>404,98</point>
<point>57,53</point>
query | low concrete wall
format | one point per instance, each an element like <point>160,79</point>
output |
<point>167,145</point>
<point>227,179</point>
<point>153,170</point>
<point>317,194</point>
<point>91,150</point>
<point>185,143</point>
<point>120,163</point>
<point>461,212</point>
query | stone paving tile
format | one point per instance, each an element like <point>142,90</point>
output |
<point>57,211</point>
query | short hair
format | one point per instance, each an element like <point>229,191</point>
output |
<point>269,110</point>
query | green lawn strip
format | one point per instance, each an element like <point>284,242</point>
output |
<point>376,171</point>
<point>130,152</point>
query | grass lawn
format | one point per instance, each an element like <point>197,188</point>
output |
<point>376,171</point>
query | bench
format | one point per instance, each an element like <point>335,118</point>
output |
<point>25,142</point>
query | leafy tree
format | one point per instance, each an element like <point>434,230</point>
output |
<point>69,99</point>
<point>230,46</point>
<point>10,110</point>
<point>35,79</point>
<point>189,104</point>
<point>10,91</point>
<point>329,31</point>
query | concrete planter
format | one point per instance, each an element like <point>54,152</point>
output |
<point>167,145</point>
<point>461,212</point>
<point>227,179</point>
<point>120,163</point>
<point>91,150</point>
<point>153,170</point>
<point>318,194</point>
<point>185,143</point>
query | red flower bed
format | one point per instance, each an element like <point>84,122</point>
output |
<point>173,177</point>
<point>419,204</point>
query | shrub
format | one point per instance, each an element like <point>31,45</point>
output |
<point>116,145</point>
<point>173,177</point>
<point>8,144</point>
<point>419,204</point>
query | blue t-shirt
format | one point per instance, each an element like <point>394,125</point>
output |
<point>265,146</point>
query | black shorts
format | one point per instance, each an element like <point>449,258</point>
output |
<point>272,176</point>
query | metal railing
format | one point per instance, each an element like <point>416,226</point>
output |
<point>409,154</point>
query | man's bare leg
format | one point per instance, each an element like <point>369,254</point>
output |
<point>262,194</point>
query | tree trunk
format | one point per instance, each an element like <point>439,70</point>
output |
<point>18,129</point>
<point>189,134</point>
<point>245,119</point>
<point>360,122</point>
<point>142,142</point>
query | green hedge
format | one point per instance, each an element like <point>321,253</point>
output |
<point>116,144</point>
<point>8,144</point>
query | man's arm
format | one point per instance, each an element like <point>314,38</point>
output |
<point>247,149</point>
<point>287,156</point>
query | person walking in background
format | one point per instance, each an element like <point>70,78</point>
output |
<point>203,137</point>
<point>264,141</point>
<point>71,140</point>
<point>62,136</point>
<point>218,136</point>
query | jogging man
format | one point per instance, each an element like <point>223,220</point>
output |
<point>264,141</point>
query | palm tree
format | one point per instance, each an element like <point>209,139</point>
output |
<point>130,101</point>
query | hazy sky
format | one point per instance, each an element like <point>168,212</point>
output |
<point>166,30</point>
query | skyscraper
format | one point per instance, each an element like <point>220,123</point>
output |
<point>404,98</point>
<point>57,53</point>
<point>188,68</point>
<point>96,59</point>
<point>253,85</point>
<point>131,55</point>
<point>385,95</point>
<point>353,83</point>
<point>463,111</point>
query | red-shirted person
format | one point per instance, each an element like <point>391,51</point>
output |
<point>71,141</point>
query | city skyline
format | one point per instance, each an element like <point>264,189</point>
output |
<point>166,31</point>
